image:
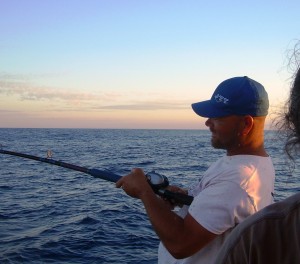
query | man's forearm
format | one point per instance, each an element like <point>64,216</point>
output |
<point>167,224</point>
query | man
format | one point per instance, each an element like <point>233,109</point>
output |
<point>236,186</point>
<point>273,234</point>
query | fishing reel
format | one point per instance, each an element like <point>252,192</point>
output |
<point>157,181</point>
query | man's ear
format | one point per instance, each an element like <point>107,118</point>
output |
<point>247,125</point>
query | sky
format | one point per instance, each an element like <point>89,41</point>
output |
<point>136,64</point>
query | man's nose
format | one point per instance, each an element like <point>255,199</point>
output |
<point>208,122</point>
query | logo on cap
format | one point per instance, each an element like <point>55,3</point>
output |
<point>221,99</point>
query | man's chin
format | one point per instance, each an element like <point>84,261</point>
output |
<point>216,144</point>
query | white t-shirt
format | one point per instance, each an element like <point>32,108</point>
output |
<point>233,188</point>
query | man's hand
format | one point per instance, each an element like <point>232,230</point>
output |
<point>135,183</point>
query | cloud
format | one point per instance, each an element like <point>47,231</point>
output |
<point>5,111</point>
<point>21,86</point>
<point>147,106</point>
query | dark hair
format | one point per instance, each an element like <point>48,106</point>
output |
<point>291,118</point>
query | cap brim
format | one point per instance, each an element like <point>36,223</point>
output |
<point>208,109</point>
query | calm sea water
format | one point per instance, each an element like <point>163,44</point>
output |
<point>50,214</point>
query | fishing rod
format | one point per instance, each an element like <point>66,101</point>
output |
<point>157,181</point>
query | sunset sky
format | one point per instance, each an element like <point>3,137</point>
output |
<point>136,64</point>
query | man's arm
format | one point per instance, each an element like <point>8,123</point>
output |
<point>182,237</point>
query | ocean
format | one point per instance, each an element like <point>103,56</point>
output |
<point>50,214</point>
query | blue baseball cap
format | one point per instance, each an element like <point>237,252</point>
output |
<point>235,96</point>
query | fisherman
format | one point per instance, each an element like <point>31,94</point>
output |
<point>273,234</point>
<point>234,187</point>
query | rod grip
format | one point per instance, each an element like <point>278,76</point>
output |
<point>179,198</point>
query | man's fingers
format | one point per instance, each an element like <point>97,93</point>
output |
<point>119,183</point>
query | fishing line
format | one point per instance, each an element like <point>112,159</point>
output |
<point>157,181</point>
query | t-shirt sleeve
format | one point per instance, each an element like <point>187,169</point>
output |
<point>221,206</point>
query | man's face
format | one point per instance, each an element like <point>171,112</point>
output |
<point>224,131</point>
